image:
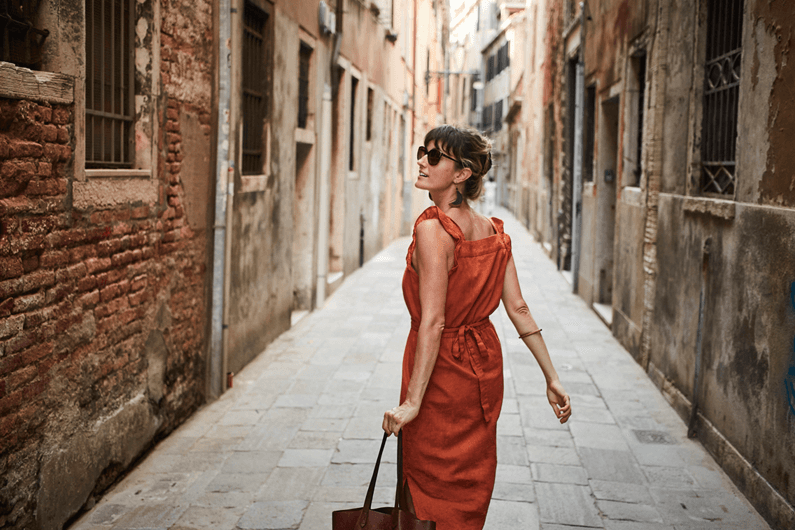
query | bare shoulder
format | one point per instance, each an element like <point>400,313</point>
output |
<point>433,238</point>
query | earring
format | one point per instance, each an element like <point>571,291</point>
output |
<point>458,198</point>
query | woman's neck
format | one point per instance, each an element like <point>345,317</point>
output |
<point>444,200</point>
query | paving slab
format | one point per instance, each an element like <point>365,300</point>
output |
<point>297,436</point>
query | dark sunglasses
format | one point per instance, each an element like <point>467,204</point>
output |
<point>434,155</point>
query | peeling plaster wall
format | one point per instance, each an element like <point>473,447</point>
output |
<point>749,316</point>
<point>748,326</point>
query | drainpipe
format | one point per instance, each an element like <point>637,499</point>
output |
<point>222,187</point>
<point>691,426</point>
<point>325,199</point>
<point>576,207</point>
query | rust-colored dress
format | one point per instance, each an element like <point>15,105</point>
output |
<point>450,448</point>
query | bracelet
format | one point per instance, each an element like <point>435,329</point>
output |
<point>523,335</point>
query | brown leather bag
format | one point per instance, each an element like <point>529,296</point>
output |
<point>388,518</point>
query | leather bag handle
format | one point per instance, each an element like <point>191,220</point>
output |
<point>368,500</point>
<point>400,497</point>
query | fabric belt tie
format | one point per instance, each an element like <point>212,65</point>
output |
<point>478,354</point>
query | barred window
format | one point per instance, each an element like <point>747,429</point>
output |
<point>721,94</point>
<point>589,133</point>
<point>255,103</point>
<point>21,42</point>
<point>487,113</point>
<point>109,84</point>
<point>305,55</point>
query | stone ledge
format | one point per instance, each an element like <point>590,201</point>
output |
<point>23,83</point>
<point>716,207</point>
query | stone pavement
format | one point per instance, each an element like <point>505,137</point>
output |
<point>298,434</point>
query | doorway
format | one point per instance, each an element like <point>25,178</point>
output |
<point>605,179</point>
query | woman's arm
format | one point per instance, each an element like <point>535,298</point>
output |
<point>523,321</point>
<point>434,252</point>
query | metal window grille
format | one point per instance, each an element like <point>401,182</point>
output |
<point>721,94</point>
<point>20,42</point>
<point>109,83</point>
<point>305,56</point>
<point>254,97</point>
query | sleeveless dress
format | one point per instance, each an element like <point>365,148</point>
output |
<point>450,448</point>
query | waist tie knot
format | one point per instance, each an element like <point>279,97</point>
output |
<point>461,343</point>
<point>478,354</point>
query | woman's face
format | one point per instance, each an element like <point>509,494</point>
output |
<point>438,177</point>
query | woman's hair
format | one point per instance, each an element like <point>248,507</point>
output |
<point>470,147</point>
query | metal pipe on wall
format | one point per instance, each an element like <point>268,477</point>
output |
<point>222,176</point>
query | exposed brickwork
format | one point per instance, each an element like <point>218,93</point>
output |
<point>81,291</point>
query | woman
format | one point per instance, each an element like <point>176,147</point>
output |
<point>459,266</point>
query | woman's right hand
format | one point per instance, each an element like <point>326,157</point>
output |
<point>559,399</point>
<point>396,418</point>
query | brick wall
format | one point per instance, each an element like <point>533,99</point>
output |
<point>101,311</point>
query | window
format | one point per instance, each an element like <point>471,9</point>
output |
<point>255,101</point>
<point>721,92</point>
<point>490,68</point>
<point>109,84</point>
<point>352,137</point>
<point>370,96</point>
<point>498,115</point>
<point>21,42</point>
<point>473,94</point>
<point>305,55</point>
<point>590,130</point>
<point>487,115</point>
<point>638,67</point>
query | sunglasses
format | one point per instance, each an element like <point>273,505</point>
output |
<point>434,155</point>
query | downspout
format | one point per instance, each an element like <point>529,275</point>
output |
<point>222,175</point>
<point>576,206</point>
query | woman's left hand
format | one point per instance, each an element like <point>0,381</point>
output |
<point>560,401</point>
<point>396,418</point>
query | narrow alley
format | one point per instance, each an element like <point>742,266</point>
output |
<point>297,435</point>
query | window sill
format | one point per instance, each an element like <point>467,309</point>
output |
<point>113,192</point>
<point>253,183</point>
<point>305,136</point>
<point>631,196</point>
<point>118,173</point>
<point>22,83</point>
<point>720,208</point>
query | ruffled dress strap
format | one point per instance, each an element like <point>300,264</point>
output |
<point>499,228</point>
<point>433,212</point>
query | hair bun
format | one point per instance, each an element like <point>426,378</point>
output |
<point>487,165</point>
